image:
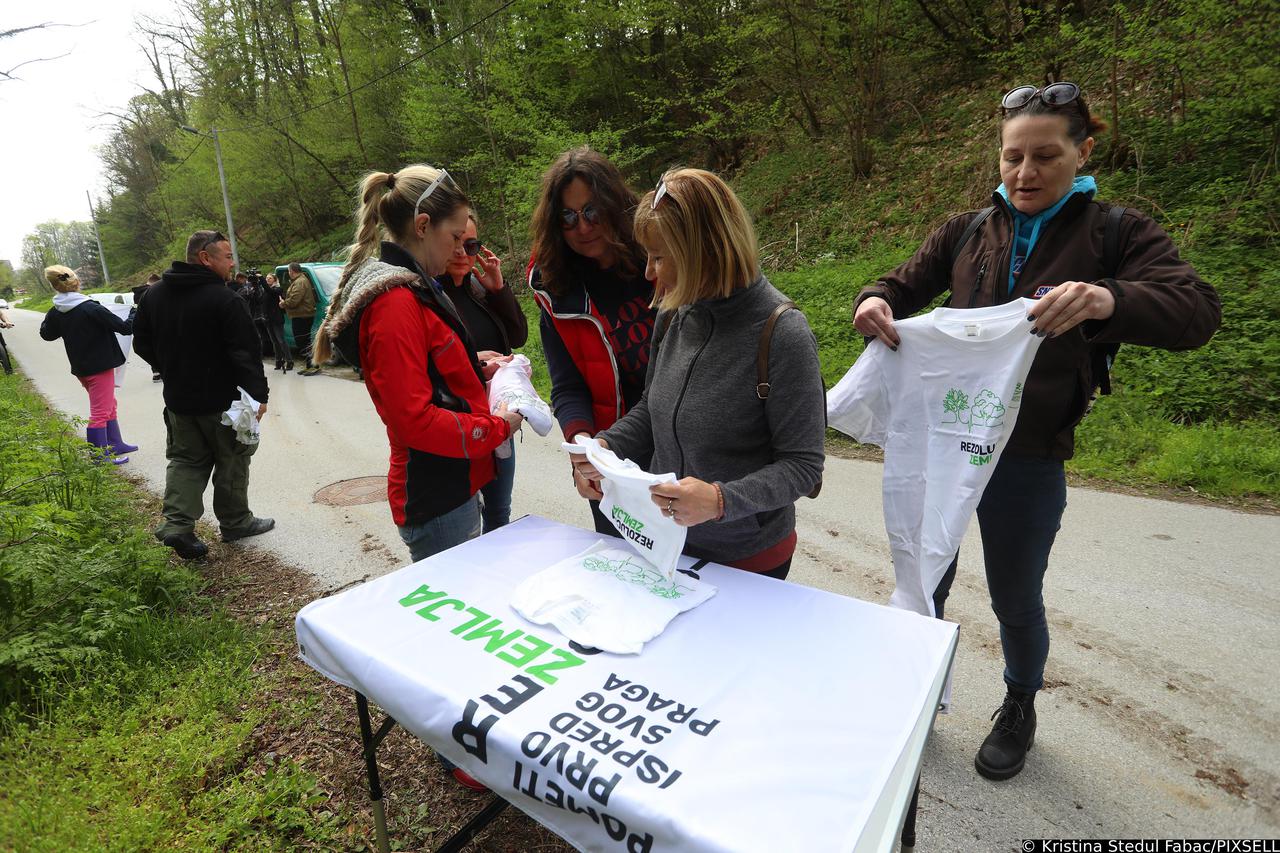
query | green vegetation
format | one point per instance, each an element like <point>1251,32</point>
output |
<point>127,697</point>
<point>849,129</point>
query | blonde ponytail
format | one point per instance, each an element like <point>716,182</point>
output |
<point>372,188</point>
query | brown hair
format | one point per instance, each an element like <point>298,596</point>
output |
<point>611,197</point>
<point>707,235</point>
<point>1081,124</point>
<point>386,201</point>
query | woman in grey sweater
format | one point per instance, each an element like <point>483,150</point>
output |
<point>743,458</point>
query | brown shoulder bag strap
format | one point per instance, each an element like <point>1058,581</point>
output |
<point>762,354</point>
<point>762,362</point>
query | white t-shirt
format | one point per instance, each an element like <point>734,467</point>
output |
<point>628,504</point>
<point>942,407</point>
<point>607,598</point>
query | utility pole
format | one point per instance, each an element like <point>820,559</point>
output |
<point>102,258</point>
<point>222,179</point>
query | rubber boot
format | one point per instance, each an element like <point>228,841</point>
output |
<point>97,436</point>
<point>117,442</point>
<point>1004,752</point>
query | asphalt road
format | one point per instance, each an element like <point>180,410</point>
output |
<point>1159,719</point>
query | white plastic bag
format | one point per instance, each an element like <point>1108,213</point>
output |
<point>629,506</point>
<point>243,417</point>
<point>512,385</point>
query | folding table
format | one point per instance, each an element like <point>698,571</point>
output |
<point>772,717</point>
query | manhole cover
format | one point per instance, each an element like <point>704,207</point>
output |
<point>361,490</point>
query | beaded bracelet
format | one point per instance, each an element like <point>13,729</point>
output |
<point>719,502</point>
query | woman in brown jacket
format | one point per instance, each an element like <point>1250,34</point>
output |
<point>1045,238</point>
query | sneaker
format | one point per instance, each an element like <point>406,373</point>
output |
<point>465,780</point>
<point>186,545</point>
<point>253,528</point>
<point>1004,752</point>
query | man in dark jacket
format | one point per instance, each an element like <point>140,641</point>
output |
<point>139,292</point>
<point>197,333</point>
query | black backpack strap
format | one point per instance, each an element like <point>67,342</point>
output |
<point>1102,356</point>
<point>969,230</point>
<point>1111,241</point>
<point>965,236</point>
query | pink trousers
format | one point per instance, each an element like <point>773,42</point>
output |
<point>102,397</point>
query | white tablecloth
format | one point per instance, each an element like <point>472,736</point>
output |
<point>774,717</point>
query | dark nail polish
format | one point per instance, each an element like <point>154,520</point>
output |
<point>1034,330</point>
<point>895,349</point>
<point>1030,318</point>
<point>1043,334</point>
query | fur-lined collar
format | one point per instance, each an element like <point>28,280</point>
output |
<point>369,281</point>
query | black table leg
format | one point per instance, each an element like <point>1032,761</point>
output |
<point>909,825</point>
<point>370,739</point>
<point>371,769</point>
<point>474,827</point>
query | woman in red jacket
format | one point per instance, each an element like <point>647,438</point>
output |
<point>589,281</point>
<point>390,318</point>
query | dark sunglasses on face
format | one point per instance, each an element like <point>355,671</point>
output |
<point>471,247</point>
<point>1053,95</point>
<point>569,217</point>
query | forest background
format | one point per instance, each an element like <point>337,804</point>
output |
<point>850,129</point>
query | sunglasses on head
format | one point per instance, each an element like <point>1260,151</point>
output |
<point>431,187</point>
<point>1054,95</point>
<point>217,237</point>
<point>471,247</point>
<point>659,192</point>
<point>569,217</point>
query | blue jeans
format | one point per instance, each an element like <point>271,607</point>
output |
<point>1019,517</point>
<point>496,506</point>
<point>443,532</point>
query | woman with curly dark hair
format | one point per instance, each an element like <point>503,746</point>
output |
<point>597,316</point>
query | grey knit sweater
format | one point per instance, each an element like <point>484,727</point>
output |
<point>700,417</point>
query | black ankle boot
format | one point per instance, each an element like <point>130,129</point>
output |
<point>1005,750</point>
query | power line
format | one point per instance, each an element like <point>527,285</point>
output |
<point>190,154</point>
<point>378,79</point>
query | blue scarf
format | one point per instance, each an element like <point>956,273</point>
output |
<point>1026,229</point>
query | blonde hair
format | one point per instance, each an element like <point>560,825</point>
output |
<point>707,234</point>
<point>63,279</point>
<point>385,202</point>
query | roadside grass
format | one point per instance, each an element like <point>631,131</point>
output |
<point>1128,439</point>
<point>147,703</point>
<point>128,696</point>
